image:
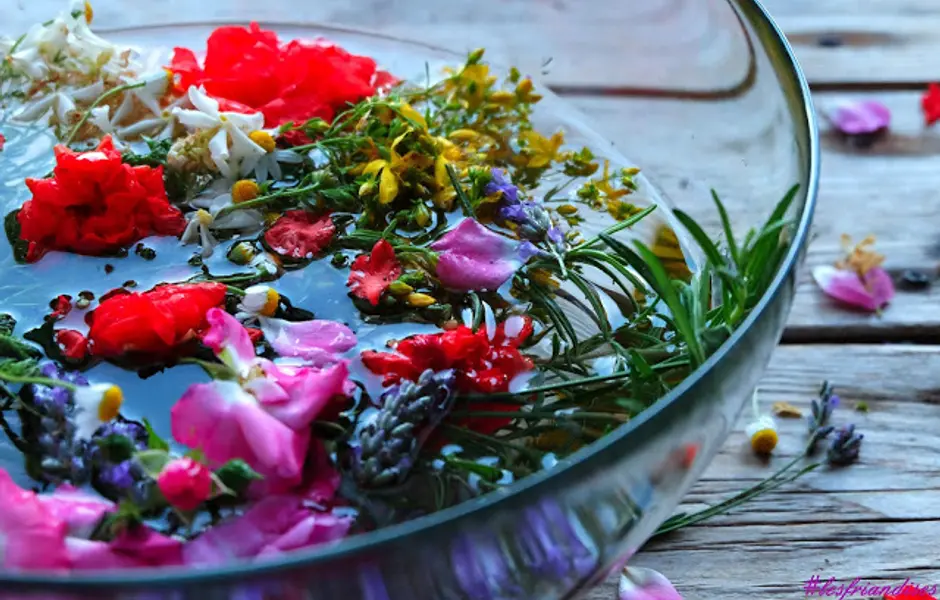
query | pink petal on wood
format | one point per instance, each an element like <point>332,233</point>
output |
<point>857,118</point>
<point>872,294</point>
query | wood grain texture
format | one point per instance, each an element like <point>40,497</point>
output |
<point>875,519</point>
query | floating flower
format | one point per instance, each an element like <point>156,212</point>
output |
<point>95,405</point>
<point>59,106</point>
<point>473,258</point>
<point>79,510</point>
<point>300,235</point>
<point>274,525</point>
<point>483,363</point>
<point>241,220</point>
<point>499,184</point>
<point>95,204</point>
<point>540,151</point>
<point>32,537</point>
<point>638,583</point>
<point>198,230</point>
<point>371,274</point>
<point>861,118</point>
<point>185,483</point>
<point>930,104</point>
<point>318,342</point>
<point>858,280</point>
<point>231,148</point>
<point>156,322</point>
<point>134,548</point>
<point>251,68</point>
<point>259,300</point>
<point>262,418</point>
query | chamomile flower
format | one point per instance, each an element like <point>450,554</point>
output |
<point>259,300</point>
<point>60,105</point>
<point>95,405</point>
<point>762,431</point>
<point>231,150</point>
<point>198,229</point>
<point>244,221</point>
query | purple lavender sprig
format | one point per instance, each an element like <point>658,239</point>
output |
<point>845,446</point>
<point>389,444</point>
<point>532,221</point>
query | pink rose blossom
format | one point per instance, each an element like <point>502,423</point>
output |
<point>264,418</point>
<point>134,548</point>
<point>79,510</point>
<point>473,258</point>
<point>185,483</point>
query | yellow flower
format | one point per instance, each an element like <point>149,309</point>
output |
<point>420,300</point>
<point>859,257</point>
<point>388,182</point>
<point>763,435</point>
<point>408,112</point>
<point>244,190</point>
<point>263,139</point>
<point>542,151</point>
<point>89,12</point>
<point>666,247</point>
<point>95,405</point>
<point>605,187</point>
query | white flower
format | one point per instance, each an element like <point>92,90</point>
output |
<point>238,220</point>
<point>198,229</point>
<point>95,405</point>
<point>259,300</point>
<point>231,149</point>
<point>762,431</point>
<point>60,103</point>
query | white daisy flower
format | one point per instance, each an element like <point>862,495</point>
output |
<point>762,431</point>
<point>199,230</point>
<point>245,221</point>
<point>259,300</point>
<point>149,96</point>
<point>60,104</point>
<point>231,149</point>
<point>95,405</point>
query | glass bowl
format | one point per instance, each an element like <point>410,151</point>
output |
<point>701,94</point>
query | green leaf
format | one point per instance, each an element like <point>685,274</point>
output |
<point>152,461</point>
<point>116,448</point>
<point>729,232</point>
<point>19,369</point>
<point>11,226</point>
<point>237,475</point>
<point>196,454</point>
<point>705,242</point>
<point>631,258</point>
<point>44,336</point>
<point>11,347</point>
<point>154,441</point>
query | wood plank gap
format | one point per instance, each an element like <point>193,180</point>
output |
<point>810,336</point>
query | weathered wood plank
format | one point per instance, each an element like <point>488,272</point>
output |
<point>692,45</point>
<point>869,523</point>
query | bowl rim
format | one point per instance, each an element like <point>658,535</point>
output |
<point>526,489</point>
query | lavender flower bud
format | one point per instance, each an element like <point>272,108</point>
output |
<point>845,446</point>
<point>390,443</point>
<point>822,408</point>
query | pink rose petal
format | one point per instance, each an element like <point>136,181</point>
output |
<point>80,511</point>
<point>226,422</point>
<point>473,258</point>
<point>32,537</point>
<point>229,339</point>
<point>309,392</point>
<point>318,342</point>
<point>857,118</point>
<point>638,583</point>
<point>136,548</point>
<point>274,525</point>
<point>872,294</point>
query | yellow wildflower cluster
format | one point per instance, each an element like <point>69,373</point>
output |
<point>860,258</point>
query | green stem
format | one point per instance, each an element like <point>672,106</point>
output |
<point>38,381</point>
<point>542,416</point>
<point>108,94</point>
<point>262,200</point>
<point>615,228</point>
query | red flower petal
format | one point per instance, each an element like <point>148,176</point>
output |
<point>287,82</point>
<point>371,274</point>
<point>3,141</point>
<point>61,307</point>
<point>73,344</point>
<point>930,104</point>
<point>155,322</point>
<point>294,137</point>
<point>95,204</point>
<point>300,235</point>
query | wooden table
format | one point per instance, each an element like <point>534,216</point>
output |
<point>880,519</point>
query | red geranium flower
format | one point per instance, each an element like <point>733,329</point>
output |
<point>72,344</point>
<point>155,322</point>
<point>930,103</point>
<point>371,274</point>
<point>482,365</point>
<point>299,234</point>
<point>61,307</point>
<point>295,81</point>
<point>95,204</point>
